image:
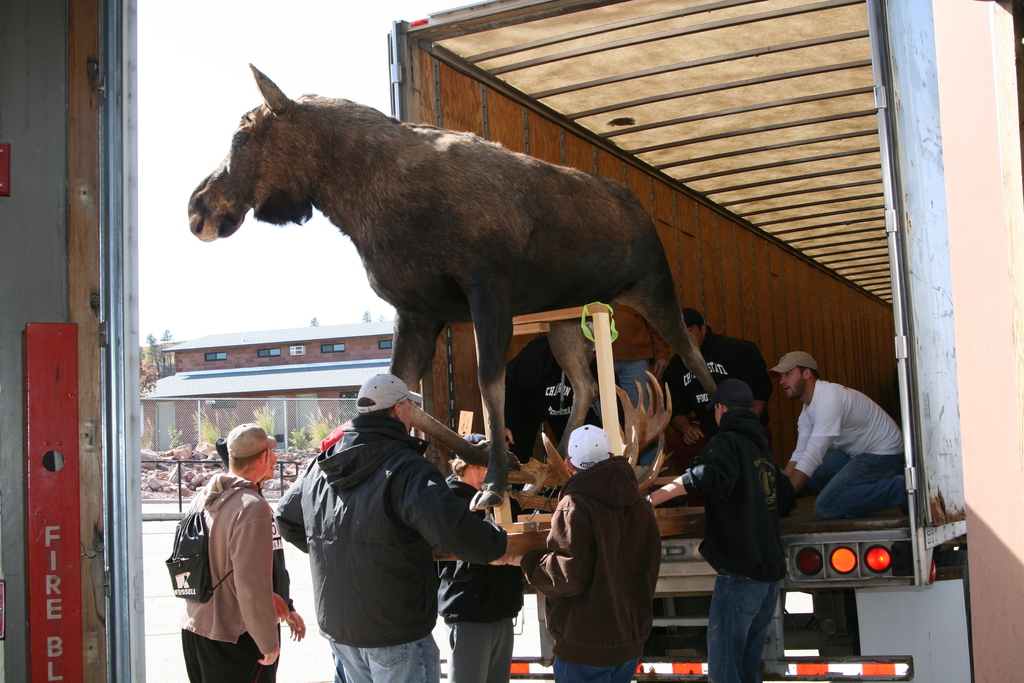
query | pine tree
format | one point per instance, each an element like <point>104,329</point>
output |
<point>315,322</point>
<point>367,318</point>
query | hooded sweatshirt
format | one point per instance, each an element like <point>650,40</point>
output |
<point>744,494</point>
<point>371,511</point>
<point>600,567</point>
<point>241,549</point>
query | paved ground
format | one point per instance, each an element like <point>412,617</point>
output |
<point>305,662</point>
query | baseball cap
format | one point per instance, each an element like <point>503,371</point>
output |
<point>248,440</point>
<point>734,392</point>
<point>383,391</point>
<point>588,445</point>
<point>791,360</point>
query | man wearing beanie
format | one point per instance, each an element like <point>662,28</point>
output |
<point>600,567</point>
<point>744,494</point>
<point>371,512</point>
<point>234,636</point>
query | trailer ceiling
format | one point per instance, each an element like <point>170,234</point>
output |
<point>766,107</point>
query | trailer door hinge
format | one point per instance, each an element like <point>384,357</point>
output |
<point>396,72</point>
<point>911,476</point>
<point>880,101</point>
<point>902,347</point>
<point>890,221</point>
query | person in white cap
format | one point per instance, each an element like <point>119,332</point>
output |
<point>234,636</point>
<point>863,471</point>
<point>371,512</point>
<point>600,566</point>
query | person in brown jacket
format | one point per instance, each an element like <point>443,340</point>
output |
<point>234,636</point>
<point>600,567</point>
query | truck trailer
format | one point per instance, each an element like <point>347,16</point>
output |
<point>795,159</point>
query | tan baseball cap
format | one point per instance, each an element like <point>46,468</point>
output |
<point>248,440</point>
<point>792,360</point>
<point>383,391</point>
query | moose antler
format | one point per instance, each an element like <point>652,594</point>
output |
<point>643,426</point>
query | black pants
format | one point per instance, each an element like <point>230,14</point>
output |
<point>216,661</point>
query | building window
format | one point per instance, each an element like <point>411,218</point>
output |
<point>332,348</point>
<point>348,394</point>
<point>297,350</point>
<point>217,355</point>
<point>267,353</point>
<point>384,344</point>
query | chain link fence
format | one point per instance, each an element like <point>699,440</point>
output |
<point>298,422</point>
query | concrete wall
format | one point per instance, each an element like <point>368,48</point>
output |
<point>33,259</point>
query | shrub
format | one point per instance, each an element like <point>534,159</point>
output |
<point>264,417</point>
<point>208,431</point>
<point>148,434</point>
<point>175,435</point>
<point>320,428</point>
<point>300,439</point>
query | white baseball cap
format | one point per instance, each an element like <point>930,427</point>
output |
<point>588,445</point>
<point>383,391</point>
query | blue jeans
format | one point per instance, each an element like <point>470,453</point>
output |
<point>855,486</point>
<point>741,612</point>
<point>627,374</point>
<point>567,672</point>
<point>415,662</point>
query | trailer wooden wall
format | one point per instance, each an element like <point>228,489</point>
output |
<point>747,284</point>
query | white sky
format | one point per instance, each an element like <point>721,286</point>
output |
<point>194,85</point>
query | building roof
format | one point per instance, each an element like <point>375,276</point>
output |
<point>295,335</point>
<point>278,378</point>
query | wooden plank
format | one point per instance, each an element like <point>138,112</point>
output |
<point>424,112</point>
<point>606,377</point>
<point>578,152</point>
<point>467,390</point>
<point>609,165</point>
<point>544,142</point>
<point>732,324</point>
<point>83,148</point>
<point>640,183</point>
<point>689,253</point>
<point>549,316</point>
<point>461,102</point>
<point>505,122</point>
<point>530,328</point>
<point>710,271</point>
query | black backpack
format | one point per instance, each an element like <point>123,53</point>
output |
<point>189,563</point>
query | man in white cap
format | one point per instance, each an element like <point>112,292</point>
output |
<point>371,512</point>
<point>600,567</point>
<point>234,636</point>
<point>863,471</point>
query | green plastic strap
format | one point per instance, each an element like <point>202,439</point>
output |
<point>611,320</point>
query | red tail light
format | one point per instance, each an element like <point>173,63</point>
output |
<point>809,561</point>
<point>843,560</point>
<point>878,559</point>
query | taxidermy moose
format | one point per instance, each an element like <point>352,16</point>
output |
<point>451,228</point>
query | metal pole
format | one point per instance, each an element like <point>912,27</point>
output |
<point>120,386</point>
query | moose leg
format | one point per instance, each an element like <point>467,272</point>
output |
<point>414,342</point>
<point>572,353</point>
<point>656,301</point>
<point>493,324</point>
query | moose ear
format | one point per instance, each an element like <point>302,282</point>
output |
<point>276,100</point>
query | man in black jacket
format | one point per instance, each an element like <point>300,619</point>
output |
<point>744,494</point>
<point>727,358</point>
<point>478,602</point>
<point>370,511</point>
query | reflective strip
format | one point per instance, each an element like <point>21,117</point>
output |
<point>887,669</point>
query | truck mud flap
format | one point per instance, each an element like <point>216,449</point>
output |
<point>790,669</point>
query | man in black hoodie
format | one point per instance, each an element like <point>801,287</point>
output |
<point>600,567</point>
<point>371,511</point>
<point>744,494</point>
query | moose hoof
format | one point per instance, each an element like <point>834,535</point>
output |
<point>485,499</point>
